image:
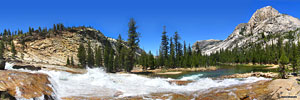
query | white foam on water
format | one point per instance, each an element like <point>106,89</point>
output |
<point>191,77</point>
<point>8,66</point>
<point>96,82</point>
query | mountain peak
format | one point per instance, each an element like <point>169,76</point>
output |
<point>263,14</point>
<point>265,27</point>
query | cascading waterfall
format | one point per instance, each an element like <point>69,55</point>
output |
<point>96,83</point>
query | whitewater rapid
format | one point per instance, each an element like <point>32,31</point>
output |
<point>96,82</point>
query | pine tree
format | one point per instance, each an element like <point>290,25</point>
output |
<point>62,27</point>
<point>30,31</point>
<point>68,61</point>
<point>164,47</point>
<point>151,63</point>
<point>294,57</point>
<point>54,27</point>
<point>284,60</point>
<point>172,54</point>
<point>123,58</point>
<point>178,49</point>
<point>185,56</point>
<point>160,60</point>
<point>82,55</point>
<point>189,56</point>
<point>111,67</point>
<point>58,27</point>
<point>40,29</point>
<point>119,54</point>
<point>1,49</point>
<point>90,56</point>
<point>72,61</point>
<point>13,49</point>
<point>106,56</point>
<point>4,36</point>
<point>98,58</point>
<point>133,42</point>
<point>143,60</point>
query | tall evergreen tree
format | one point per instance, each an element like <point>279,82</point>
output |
<point>172,54</point>
<point>106,56</point>
<point>111,60</point>
<point>68,61</point>
<point>72,61</point>
<point>133,43</point>
<point>185,56</point>
<point>98,58</point>
<point>143,60</point>
<point>123,58</point>
<point>164,47</point>
<point>119,54</point>
<point>40,29</point>
<point>81,55</point>
<point>90,56</point>
<point>54,27</point>
<point>1,49</point>
<point>178,49</point>
<point>189,56</point>
<point>284,60</point>
<point>294,57</point>
<point>151,62</point>
<point>13,49</point>
<point>30,31</point>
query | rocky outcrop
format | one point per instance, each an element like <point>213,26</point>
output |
<point>2,64</point>
<point>203,44</point>
<point>255,74</point>
<point>25,85</point>
<point>266,22</point>
<point>285,89</point>
<point>55,47</point>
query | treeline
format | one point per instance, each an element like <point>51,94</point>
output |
<point>287,53</point>
<point>114,59</point>
<point>6,40</point>
<point>172,54</point>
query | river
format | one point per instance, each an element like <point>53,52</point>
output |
<point>97,83</point>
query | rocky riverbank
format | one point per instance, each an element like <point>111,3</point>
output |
<point>254,74</point>
<point>14,84</point>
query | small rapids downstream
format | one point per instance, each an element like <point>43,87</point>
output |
<point>97,83</point>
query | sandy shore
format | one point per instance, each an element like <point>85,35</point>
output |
<point>254,74</point>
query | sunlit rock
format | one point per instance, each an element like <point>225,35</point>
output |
<point>26,85</point>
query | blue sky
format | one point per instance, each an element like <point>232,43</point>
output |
<point>193,19</point>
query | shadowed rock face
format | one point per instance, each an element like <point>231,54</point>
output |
<point>25,85</point>
<point>6,96</point>
<point>2,64</point>
<point>28,67</point>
